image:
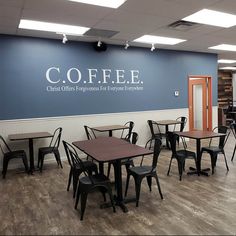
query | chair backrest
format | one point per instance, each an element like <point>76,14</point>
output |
<point>172,137</point>
<point>222,140</point>
<point>3,145</point>
<point>55,141</point>
<point>153,124</point>
<point>72,155</point>
<point>157,150</point>
<point>74,160</point>
<point>130,124</point>
<point>89,133</point>
<point>183,121</point>
<point>133,138</point>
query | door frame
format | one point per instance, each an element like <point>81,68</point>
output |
<point>208,80</point>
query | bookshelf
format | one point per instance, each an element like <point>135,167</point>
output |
<point>225,89</point>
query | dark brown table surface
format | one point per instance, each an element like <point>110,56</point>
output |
<point>106,149</point>
<point>30,137</point>
<point>198,135</point>
<point>109,128</point>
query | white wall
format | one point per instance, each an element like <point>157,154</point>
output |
<point>73,129</point>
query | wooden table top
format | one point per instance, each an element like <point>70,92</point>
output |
<point>199,134</point>
<point>168,122</point>
<point>104,149</point>
<point>33,135</point>
<point>109,127</point>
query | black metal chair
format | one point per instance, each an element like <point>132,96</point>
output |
<point>142,171</point>
<point>155,130</point>
<point>88,183</point>
<point>52,148</point>
<point>233,127</point>
<point>127,135</point>
<point>127,162</point>
<point>75,168</point>
<point>89,132</point>
<point>90,135</point>
<point>8,155</point>
<point>180,155</point>
<point>219,149</point>
<point>181,126</point>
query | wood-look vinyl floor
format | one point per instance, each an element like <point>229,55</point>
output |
<point>40,204</point>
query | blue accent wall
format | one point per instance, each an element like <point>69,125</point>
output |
<point>26,93</point>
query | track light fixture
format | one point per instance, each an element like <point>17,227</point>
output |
<point>99,44</point>
<point>126,45</point>
<point>153,47</point>
<point>64,40</point>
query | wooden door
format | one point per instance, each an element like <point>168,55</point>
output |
<point>200,103</point>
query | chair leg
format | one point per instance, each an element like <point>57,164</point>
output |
<point>83,204</point>
<point>159,186</point>
<point>5,165</point>
<point>213,160</point>
<point>168,173</point>
<point>25,161</point>
<point>58,158</point>
<point>127,184</point>
<point>39,158</point>
<point>232,158</point>
<point>69,180</point>
<point>41,164</point>
<point>137,189</point>
<point>108,169</point>
<point>149,181</point>
<point>75,181</point>
<point>226,164</point>
<point>77,197</point>
<point>180,167</point>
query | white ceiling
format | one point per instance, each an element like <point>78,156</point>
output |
<point>133,19</point>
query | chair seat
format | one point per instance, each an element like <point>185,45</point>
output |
<point>141,170</point>
<point>46,150</point>
<point>99,178</point>
<point>211,149</point>
<point>185,154</point>
<point>15,154</point>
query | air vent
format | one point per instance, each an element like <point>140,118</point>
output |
<point>182,25</point>
<point>101,33</point>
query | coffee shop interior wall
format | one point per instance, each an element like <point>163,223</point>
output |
<point>46,84</point>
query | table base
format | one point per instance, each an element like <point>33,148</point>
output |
<point>201,172</point>
<point>121,204</point>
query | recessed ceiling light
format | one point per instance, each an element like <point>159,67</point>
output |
<point>158,40</point>
<point>210,17</point>
<point>52,27</point>
<point>102,3</point>
<point>226,61</point>
<point>228,68</point>
<point>224,47</point>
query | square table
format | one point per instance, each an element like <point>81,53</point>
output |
<point>30,137</point>
<point>109,128</point>
<point>198,135</point>
<point>111,149</point>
